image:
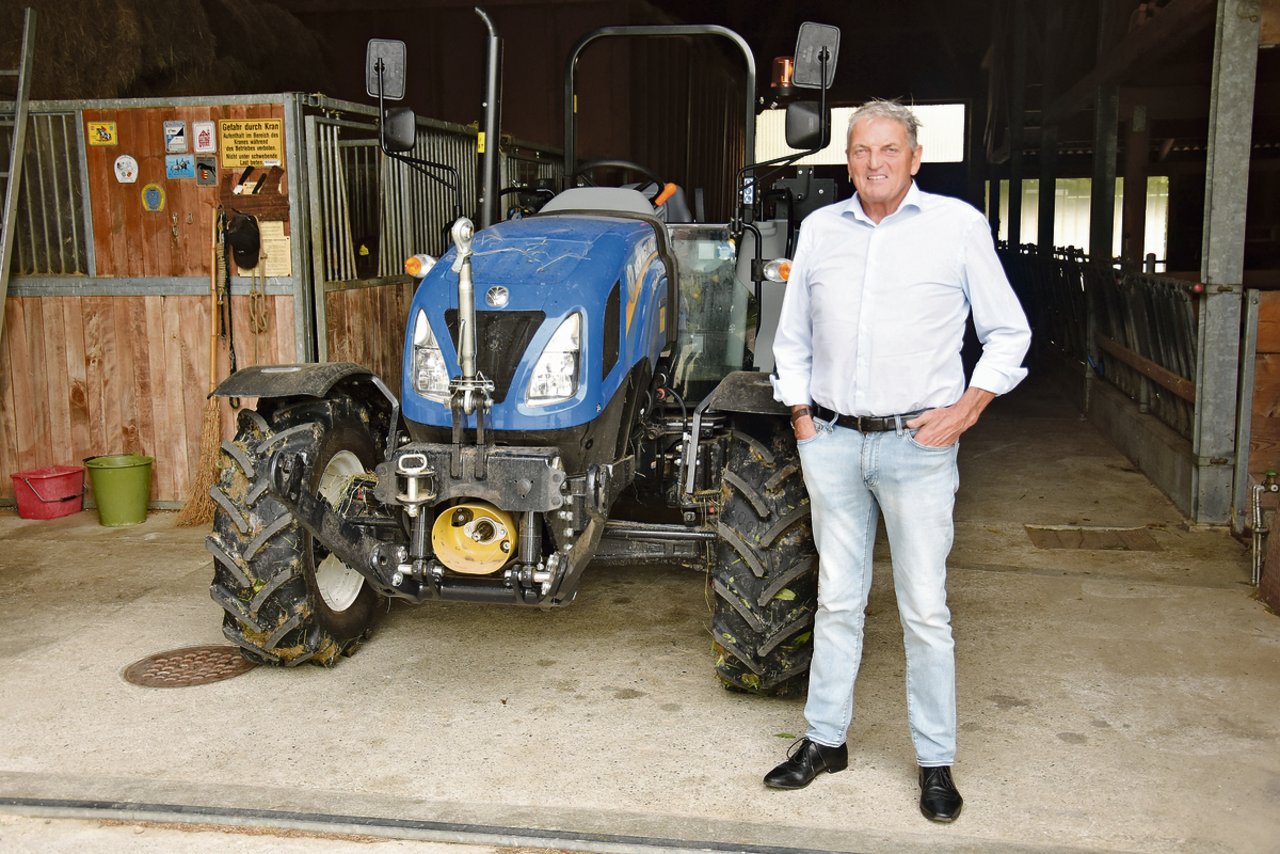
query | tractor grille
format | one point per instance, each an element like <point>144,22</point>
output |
<point>501,339</point>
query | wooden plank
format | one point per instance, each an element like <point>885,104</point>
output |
<point>77,400</point>
<point>254,348</point>
<point>334,308</point>
<point>159,399</point>
<point>195,326</point>
<point>189,389</point>
<point>36,405</point>
<point>1181,386</point>
<point>170,333</point>
<point>20,355</point>
<point>57,383</point>
<point>1264,425</point>
<point>1269,322</point>
<point>283,317</point>
<point>8,405</point>
<point>97,362</point>
<point>125,430</point>
<point>145,390</point>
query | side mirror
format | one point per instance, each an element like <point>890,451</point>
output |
<point>812,43</point>
<point>808,126</point>
<point>384,69</point>
<point>399,129</point>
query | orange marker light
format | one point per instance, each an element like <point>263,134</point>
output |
<point>418,265</point>
<point>778,270</point>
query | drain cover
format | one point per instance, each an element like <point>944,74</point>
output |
<point>1080,537</point>
<point>192,665</point>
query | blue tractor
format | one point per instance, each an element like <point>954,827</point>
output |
<point>577,390</point>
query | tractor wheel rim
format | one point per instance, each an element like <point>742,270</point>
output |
<point>337,583</point>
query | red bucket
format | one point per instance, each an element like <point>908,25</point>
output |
<point>50,492</point>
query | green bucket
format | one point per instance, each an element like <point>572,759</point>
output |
<point>121,487</point>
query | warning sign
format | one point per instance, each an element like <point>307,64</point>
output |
<point>251,142</point>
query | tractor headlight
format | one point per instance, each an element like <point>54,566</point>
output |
<point>430,376</point>
<point>555,374</point>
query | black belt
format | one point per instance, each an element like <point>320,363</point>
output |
<point>864,423</point>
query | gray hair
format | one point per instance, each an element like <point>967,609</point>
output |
<point>880,109</point>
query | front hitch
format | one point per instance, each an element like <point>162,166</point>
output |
<point>375,559</point>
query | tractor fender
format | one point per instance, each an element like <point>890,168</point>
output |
<point>744,392</point>
<point>310,380</point>
<point>314,380</point>
<point>749,392</point>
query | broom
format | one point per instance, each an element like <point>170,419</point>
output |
<point>198,509</point>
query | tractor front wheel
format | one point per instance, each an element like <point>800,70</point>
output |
<point>765,578</point>
<point>286,599</point>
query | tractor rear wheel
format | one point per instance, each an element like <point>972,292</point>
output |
<point>287,600</point>
<point>765,578</point>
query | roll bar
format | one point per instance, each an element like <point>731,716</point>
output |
<point>570,91</point>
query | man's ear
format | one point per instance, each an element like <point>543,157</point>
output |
<point>916,158</point>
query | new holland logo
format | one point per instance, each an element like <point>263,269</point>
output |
<point>497,296</point>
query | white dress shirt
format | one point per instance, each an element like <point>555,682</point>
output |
<point>873,316</point>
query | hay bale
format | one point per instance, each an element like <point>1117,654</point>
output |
<point>88,49</point>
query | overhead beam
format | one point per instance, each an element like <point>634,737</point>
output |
<point>1174,26</point>
<point>1167,102</point>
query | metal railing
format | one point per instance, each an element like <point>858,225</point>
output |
<point>1145,334</point>
<point>372,212</point>
<point>1136,331</point>
<point>51,238</point>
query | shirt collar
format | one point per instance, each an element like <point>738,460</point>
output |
<point>915,198</point>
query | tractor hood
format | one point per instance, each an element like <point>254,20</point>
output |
<point>532,277</point>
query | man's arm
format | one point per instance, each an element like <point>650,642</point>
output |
<point>1005,335</point>
<point>793,346</point>
<point>998,318</point>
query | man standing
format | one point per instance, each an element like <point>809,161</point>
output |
<point>868,358</point>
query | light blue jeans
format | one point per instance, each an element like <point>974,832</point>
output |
<point>851,478</point>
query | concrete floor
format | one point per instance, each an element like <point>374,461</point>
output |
<point>1109,700</point>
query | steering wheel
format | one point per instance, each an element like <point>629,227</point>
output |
<point>625,165</point>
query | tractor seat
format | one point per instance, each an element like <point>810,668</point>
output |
<point>623,199</point>
<point>599,199</point>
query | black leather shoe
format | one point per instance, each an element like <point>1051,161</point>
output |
<point>805,761</point>
<point>939,799</point>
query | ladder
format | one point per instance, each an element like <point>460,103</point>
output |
<point>11,178</point>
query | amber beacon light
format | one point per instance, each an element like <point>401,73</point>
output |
<point>783,67</point>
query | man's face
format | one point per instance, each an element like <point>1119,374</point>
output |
<point>881,164</point>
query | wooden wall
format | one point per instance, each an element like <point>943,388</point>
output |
<point>83,376</point>
<point>87,375</point>
<point>366,325</point>
<point>1264,429</point>
<point>132,241</point>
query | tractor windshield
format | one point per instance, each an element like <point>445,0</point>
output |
<point>713,309</point>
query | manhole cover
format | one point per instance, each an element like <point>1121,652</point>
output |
<point>1080,537</point>
<point>192,665</point>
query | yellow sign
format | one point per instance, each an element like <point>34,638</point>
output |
<point>102,133</point>
<point>251,142</point>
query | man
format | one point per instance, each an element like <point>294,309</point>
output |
<point>867,356</point>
